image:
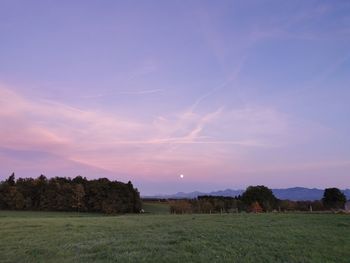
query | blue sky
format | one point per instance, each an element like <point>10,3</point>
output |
<point>228,93</point>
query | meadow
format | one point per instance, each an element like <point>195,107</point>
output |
<point>159,237</point>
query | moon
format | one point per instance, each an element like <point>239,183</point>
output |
<point>181,176</point>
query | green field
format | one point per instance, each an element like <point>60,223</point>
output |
<point>156,207</point>
<point>73,237</point>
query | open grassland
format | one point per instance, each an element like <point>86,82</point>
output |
<point>73,237</point>
<point>155,207</point>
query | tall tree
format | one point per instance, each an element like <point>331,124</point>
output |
<point>11,180</point>
<point>333,198</point>
<point>260,194</point>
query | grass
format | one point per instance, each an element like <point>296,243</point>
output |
<point>155,207</point>
<point>74,237</point>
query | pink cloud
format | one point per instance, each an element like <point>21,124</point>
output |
<point>186,142</point>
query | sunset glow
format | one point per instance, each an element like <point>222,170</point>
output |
<point>222,94</point>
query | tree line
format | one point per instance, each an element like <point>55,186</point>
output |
<point>66,194</point>
<point>257,199</point>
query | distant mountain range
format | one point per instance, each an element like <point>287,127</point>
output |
<point>295,194</point>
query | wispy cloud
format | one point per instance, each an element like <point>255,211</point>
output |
<point>225,84</point>
<point>141,92</point>
<point>126,92</point>
<point>115,143</point>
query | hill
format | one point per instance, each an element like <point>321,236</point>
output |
<point>294,193</point>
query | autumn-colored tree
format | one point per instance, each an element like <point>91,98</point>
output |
<point>256,208</point>
<point>180,207</point>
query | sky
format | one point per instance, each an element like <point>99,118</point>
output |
<point>227,93</point>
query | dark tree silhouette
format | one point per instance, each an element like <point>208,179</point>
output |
<point>66,194</point>
<point>333,198</point>
<point>260,194</point>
